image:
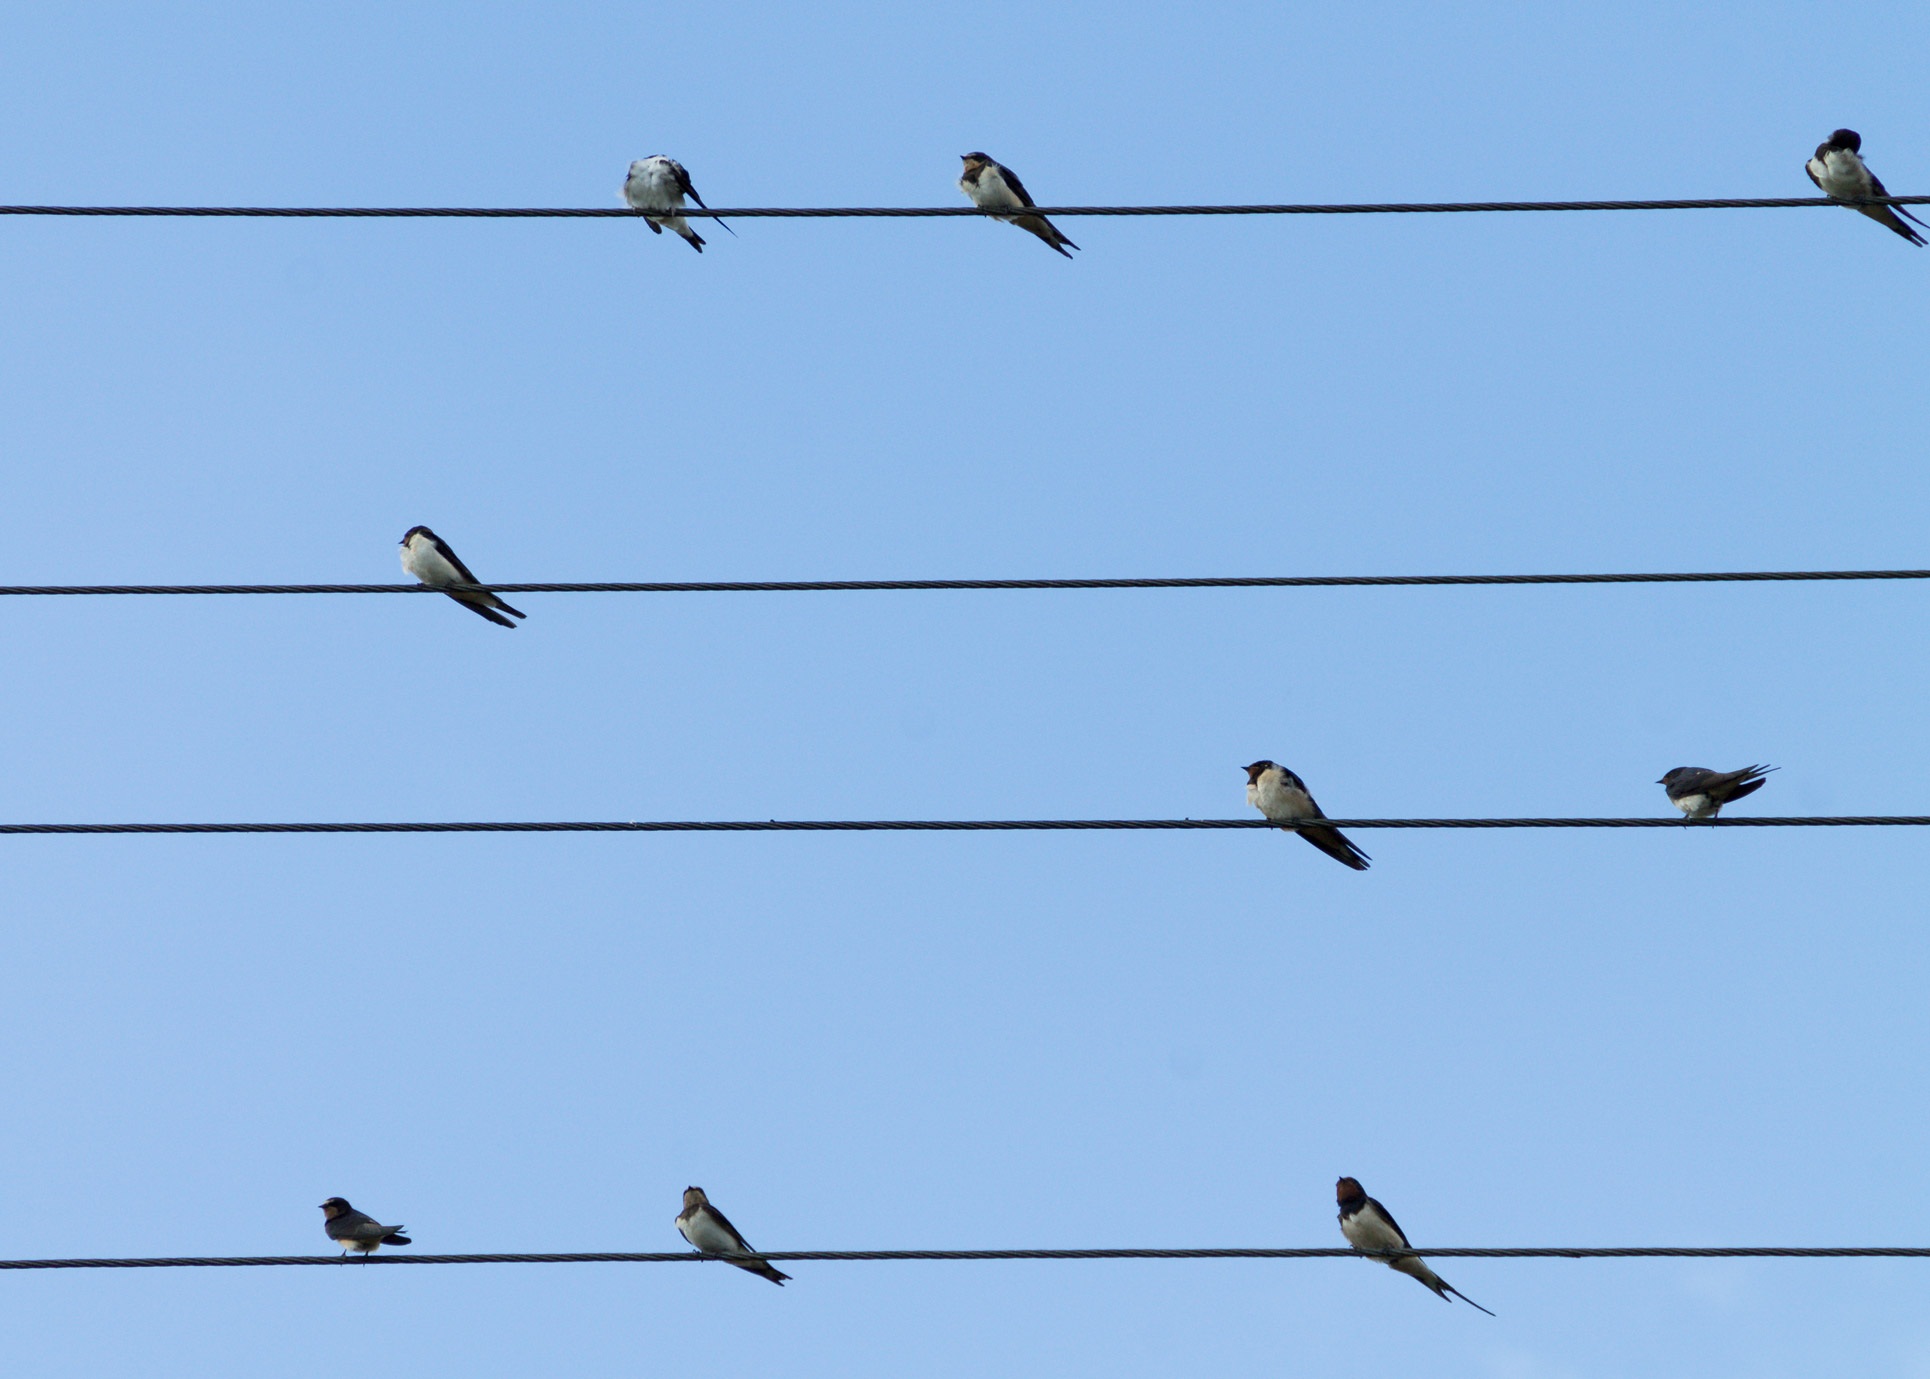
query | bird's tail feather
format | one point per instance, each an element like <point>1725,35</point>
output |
<point>397,1239</point>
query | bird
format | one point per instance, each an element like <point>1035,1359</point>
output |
<point>1839,170</point>
<point>711,1231</point>
<point>995,187</point>
<point>358,1231</point>
<point>660,184</point>
<point>1700,793</point>
<point>1368,1226</point>
<point>1282,796</point>
<point>428,557</point>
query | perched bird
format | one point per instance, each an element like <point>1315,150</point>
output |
<point>358,1231</point>
<point>428,557</point>
<point>995,187</point>
<point>1368,1226</point>
<point>709,1230</point>
<point>1282,796</point>
<point>1700,793</point>
<point>1838,168</point>
<point>660,184</point>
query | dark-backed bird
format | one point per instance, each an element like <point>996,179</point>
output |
<point>1282,796</point>
<point>1370,1226</point>
<point>1700,793</point>
<point>358,1231</point>
<point>429,558</point>
<point>995,187</point>
<point>709,1230</point>
<point>1837,167</point>
<point>657,186</point>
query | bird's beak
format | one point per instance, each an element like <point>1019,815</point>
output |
<point>1660,782</point>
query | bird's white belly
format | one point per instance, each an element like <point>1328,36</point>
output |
<point>1365,1231</point>
<point>993,194</point>
<point>708,1238</point>
<point>425,562</point>
<point>1695,806</point>
<point>1844,177</point>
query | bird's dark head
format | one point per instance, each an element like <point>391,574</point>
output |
<point>694,1197</point>
<point>1253,771</point>
<point>1679,773</point>
<point>336,1206</point>
<point>413,532</point>
<point>1349,1190</point>
<point>1845,138</point>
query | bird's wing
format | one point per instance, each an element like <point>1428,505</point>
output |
<point>1018,187</point>
<point>1878,189</point>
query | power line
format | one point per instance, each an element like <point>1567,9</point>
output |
<point>963,825</point>
<point>811,586</point>
<point>872,1256</point>
<point>926,212</point>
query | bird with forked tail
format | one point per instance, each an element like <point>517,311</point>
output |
<point>1370,1226</point>
<point>709,1230</point>
<point>994,187</point>
<point>1282,796</point>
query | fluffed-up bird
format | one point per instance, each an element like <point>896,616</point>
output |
<point>429,558</point>
<point>994,187</point>
<point>1370,1226</point>
<point>657,186</point>
<point>1837,167</point>
<point>1282,796</point>
<point>358,1231</point>
<point>709,1230</point>
<point>1700,793</point>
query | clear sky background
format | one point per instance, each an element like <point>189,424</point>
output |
<point>534,1043</point>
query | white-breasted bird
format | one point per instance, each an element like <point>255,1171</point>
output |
<point>1700,793</point>
<point>358,1231</point>
<point>1370,1226</point>
<point>660,184</point>
<point>709,1230</point>
<point>994,187</point>
<point>429,558</point>
<point>1837,167</point>
<point>1282,796</point>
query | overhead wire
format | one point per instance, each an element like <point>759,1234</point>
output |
<point>963,825</point>
<point>888,585</point>
<point>927,212</point>
<point>871,1256</point>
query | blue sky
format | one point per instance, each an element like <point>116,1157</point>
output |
<point>534,1043</point>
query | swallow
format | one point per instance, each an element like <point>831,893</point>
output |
<point>1839,170</point>
<point>1700,793</point>
<point>428,557</point>
<point>995,187</point>
<point>358,1231</point>
<point>660,184</point>
<point>1368,1226</point>
<point>1282,796</point>
<point>709,1230</point>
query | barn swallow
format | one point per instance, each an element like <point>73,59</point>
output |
<point>1369,1226</point>
<point>658,183</point>
<point>428,557</point>
<point>1839,170</point>
<point>995,187</point>
<point>1282,796</point>
<point>1700,793</point>
<point>710,1231</point>
<point>358,1231</point>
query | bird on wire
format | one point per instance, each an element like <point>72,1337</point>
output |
<point>1837,167</point>
<point>994,187</point>
<point>1370,1226</point>
<point>430,559</point>
<point>1700,793</point>
<point>709,1230</point>
<point>1282,796</point>
<point>358,1231</point>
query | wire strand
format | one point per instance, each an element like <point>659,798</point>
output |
<point>964,825</point>
<point>871,1256</point>
<point>927,212</point>
<point>871,585</point>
